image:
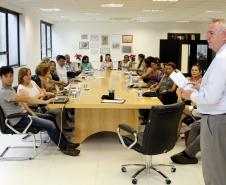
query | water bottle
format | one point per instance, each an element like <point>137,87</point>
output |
<point>78,92</point>
<point>73,95</point>
<point>139,93</point>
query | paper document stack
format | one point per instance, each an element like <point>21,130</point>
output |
<point>181,81</point>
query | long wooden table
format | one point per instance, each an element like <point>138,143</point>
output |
<point>92,116</point>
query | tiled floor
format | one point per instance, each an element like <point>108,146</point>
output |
<point>98,164</point>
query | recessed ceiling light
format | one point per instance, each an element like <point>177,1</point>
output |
<point>153,11</point>
<point>91,14</point>
<point>50,9</point>
<point>214,11</point>
<point>183,21</point>
<point>165,0</point>
<point>112,5</point>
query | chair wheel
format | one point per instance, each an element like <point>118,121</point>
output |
<point>123,169</point>
<point>168,181</point>
<point>173,170</point>
<point>134,181</point>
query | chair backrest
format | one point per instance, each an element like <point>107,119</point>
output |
<point>160,133</point>
<point>36,79</point>
<point>3,127</point>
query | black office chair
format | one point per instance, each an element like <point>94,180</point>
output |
<point>36,79</point>
<point>159,136</point>
<point>6,128</point>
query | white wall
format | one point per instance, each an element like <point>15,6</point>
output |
<point>30,55</point>
<point>66,36</point>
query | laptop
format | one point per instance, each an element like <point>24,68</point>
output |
<point>61,101</point>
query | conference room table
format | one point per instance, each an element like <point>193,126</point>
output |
<point>92,116</point>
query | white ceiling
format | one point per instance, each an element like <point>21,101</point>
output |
<point>90,10</point>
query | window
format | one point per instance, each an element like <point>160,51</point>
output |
<point>46,39</point>
<point>9,38</point>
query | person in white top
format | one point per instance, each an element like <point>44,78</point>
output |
<point>107,64</point>
<point>61,69</point>
<point>211,102</point>
<point>28,87</point>
<point>125,64</point>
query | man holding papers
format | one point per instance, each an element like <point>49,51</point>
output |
<point>211,102</point>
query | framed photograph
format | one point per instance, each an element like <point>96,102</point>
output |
<point>84,36</point>
<point>104,40</point>
<point>83,45</point>
<point>127,49</point>
<point>127,38</point>
<point>94,38</point>
<point>104,51</point>
<point>115,46</point>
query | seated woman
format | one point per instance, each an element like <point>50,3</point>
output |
<point>155,74</point>
<point>50,86</point>
<point>46,81</point>
<point>140,67</point>
<point>107,64</point>
<point>86,65</point>
<point>29,87</point>
<point>125,64</point>
<point>152,72</point>
<point>45,60</point>
<point>147,70</point>
<point>196,78</point>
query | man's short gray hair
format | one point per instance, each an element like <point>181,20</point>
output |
<point>221,22</point>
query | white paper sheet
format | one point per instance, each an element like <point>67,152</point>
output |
<point>181,81</point>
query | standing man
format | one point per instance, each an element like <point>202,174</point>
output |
<point>211,102</point>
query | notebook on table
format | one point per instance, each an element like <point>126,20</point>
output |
<point>119,100</point>
<point>60,101</point>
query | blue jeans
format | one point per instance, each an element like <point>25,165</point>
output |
<point>48,123</point>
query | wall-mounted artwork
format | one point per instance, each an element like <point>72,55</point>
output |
<point>84,36</point>
<point>104,40</point>
<point>127,38</point>
<point>94,38</point>
<point>83,45</point>
<point>104,51</point>
<point>127,49</point>
<point>115,46</point>
<point>116,41</point>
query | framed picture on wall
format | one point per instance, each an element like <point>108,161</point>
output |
<point>127,49</point>
<point>84,36</point>
<point>83,45</point>
<point>115,46</point>
<point>127,38</point>
<point>104,40</point>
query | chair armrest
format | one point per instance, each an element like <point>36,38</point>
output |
<point>129,130</point>
<point>16,115</point>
